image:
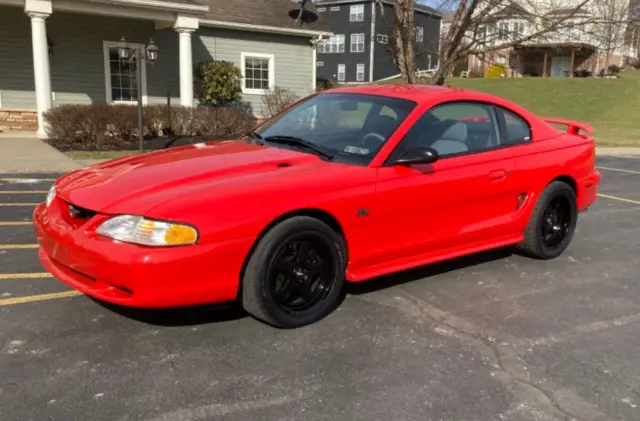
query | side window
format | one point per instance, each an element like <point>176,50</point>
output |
<point>454,129</point>
<point>517,130</point>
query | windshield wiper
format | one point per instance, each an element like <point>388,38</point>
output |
<point>301,143</point>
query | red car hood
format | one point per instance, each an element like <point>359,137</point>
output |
<point>139,183</point>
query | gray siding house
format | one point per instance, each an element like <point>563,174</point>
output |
<point>359,49</point>
<point>55,52</point>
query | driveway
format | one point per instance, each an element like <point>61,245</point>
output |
<point>493,336</point>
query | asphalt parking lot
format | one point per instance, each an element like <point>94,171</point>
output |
<point>493,336</point>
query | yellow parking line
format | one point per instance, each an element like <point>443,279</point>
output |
<point>18,246</point>
<point>34,275</point>
<point>15,224</point>
<point>18,204</point>
<point>41,297</point>
<point>23,192</point>
<point>618,169</point>
<point>621,199</point>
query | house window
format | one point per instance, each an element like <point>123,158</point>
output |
<point>120,75</point>
<point>335,8</point>
<point>356,13</point>
<point>503,30</point>
<point>382,39</point>
<point>257,72</point>
<point>360,73</point>
<point>320,63</point>
<point>357,43</point>
<point>518,28</point>
<point>342,72</point>
<point>321,9</point>
<point>420,34</point>
<point>335,44</point>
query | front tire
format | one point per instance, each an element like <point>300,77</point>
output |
<point>552,222</point>
<point>295,275</point>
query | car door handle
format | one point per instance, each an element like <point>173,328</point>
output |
<point>497,175</point>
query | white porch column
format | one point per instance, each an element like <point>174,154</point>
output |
<point>38,11</point>
<point>184,26</point>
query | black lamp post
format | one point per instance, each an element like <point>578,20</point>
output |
<point>150,56</point>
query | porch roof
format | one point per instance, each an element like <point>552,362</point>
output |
<point>559,47</point>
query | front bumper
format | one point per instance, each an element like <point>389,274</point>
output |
<point>136,276</point>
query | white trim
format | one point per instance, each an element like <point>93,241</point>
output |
<point>314,71</point>
<point>91,8</point>
<point>164,5</point>
<point>357,35</point>
<point>344,72</point>
<point>262,28</point>
<point>373,35</point>
<point>272,72</point>
<point>360,11</point>
<point>107,72</point>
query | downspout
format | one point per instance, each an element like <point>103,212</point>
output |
<point>373,40</point>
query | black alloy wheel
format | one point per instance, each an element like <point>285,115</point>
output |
<point>556,222</point>
<point>295,275</point>
<point>552,224</point>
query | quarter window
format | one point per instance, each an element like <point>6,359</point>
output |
<point>420,34</point>
<point>517,130</point>
<point>357,43</point>
<point>356,13</point>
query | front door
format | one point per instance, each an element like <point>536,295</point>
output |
<point>467,197</point>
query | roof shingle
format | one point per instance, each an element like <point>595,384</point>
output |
<point>262,12</point>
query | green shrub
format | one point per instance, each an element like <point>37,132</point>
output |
<point>496,71</point>
<point>220,82</point>
<point>115,127</point>
<point>613,68</point>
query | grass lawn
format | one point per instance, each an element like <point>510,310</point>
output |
<point>611,106</point>
<point>99,154</point>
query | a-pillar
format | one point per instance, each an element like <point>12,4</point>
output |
<point>39,11</point>
<point>185,26</point>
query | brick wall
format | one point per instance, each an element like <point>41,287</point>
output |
<point>18,119</point>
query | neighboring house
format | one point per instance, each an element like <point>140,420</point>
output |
<point>65,51</point>
<point>585,40</point>
<point>359,49</point>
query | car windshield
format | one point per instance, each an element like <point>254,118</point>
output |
<point>342,127</point>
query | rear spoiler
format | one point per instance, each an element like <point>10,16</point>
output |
<point>573,127</point>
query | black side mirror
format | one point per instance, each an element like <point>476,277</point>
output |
<point>417,156</point>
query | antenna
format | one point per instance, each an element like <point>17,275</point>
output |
<point>303,15</point>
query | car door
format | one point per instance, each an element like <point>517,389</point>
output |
<point>465,199</point>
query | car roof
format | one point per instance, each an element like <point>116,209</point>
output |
<point>417,93</point>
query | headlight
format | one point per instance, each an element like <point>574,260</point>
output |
<point>147,232</point>
<point>50,195</point>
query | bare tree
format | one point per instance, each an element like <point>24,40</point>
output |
<point>475,28</point>
<point>609,26</point>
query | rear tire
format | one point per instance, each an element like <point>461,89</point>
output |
<point>552,224</point>
<point>295,275</point>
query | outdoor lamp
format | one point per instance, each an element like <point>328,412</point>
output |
<point>123,50</point>
<point>152,51</point>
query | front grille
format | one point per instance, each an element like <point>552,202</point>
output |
<point>77,212</point>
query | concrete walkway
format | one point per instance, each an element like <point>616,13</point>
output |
<point>22,152</point>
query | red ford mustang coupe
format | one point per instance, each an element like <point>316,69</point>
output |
<point>343,186</point>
